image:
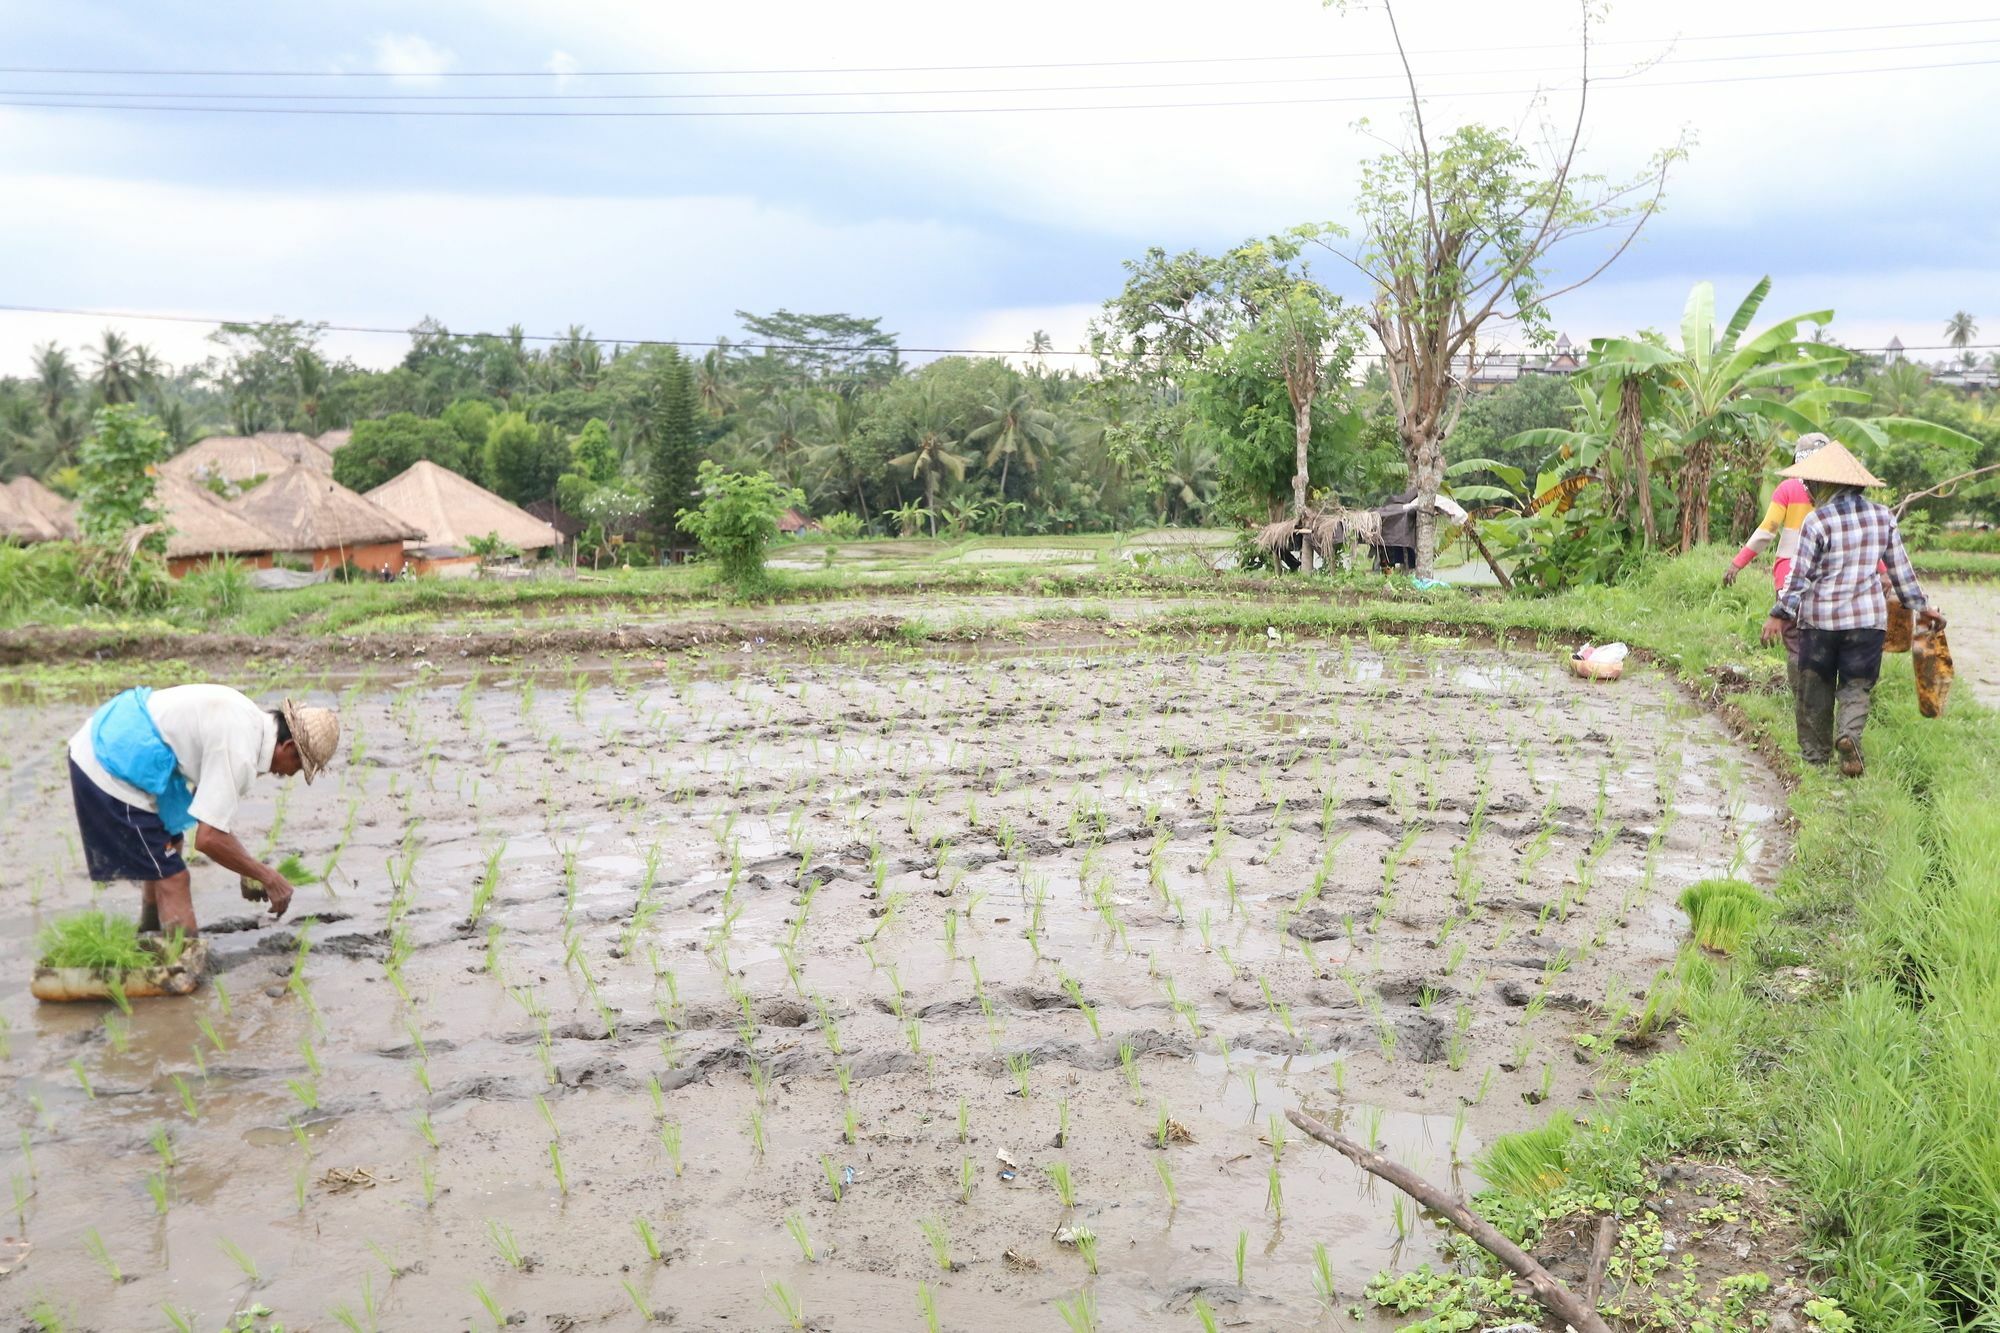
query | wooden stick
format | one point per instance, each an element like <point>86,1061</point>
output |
<point>1600,1258</point>
<point>1560,1301</point>
<point>1506,583</point>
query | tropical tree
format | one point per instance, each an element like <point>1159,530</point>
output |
<point>1960,330</point>
<point>116,474</point>
<point>933,456</point>
<point>55,379</point>
<point>782,426</point>
<point>1012,427</point>
<point>909,518</point>
<point>713,382</point>
<point>116,370</point>
<point>839,459</point>
<point>1189,481</point>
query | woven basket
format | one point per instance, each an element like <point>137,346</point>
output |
<point>1900,627</point>
<point>61,984</point>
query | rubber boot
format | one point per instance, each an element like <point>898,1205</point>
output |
<point>1851,703</point>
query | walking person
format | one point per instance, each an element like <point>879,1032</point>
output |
<point>1833,596</point>
<point>1782,522</point>
<point>152,764</point>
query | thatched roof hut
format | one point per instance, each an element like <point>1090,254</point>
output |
<point>452,511</point>
<point>199,525</point>
<point>331,440</point>
<point>236,459</point>
<point>20,523</point>
<point>298,447</point>
<point>307,511</point>
<point>38,500</point>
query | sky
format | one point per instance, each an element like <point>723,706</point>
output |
<point>1845,149</point>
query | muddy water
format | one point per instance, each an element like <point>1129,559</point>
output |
<point>825,906</point>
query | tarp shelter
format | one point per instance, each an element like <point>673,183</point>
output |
<point>38,499</point>
<point>452,512</point>
<point>310,514</point>
<point>200,527</point>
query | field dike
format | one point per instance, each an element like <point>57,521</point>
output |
<point>863,983</point>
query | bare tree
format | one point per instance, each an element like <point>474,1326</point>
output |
<point>1454,236</point>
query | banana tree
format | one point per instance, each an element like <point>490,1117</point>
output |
<point>1719,392</point>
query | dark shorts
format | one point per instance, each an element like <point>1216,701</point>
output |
<point>121,841</point>
<point>1841,655</point>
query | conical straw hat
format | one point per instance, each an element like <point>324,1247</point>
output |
<point>1833,465</point>
<point>317,731</point>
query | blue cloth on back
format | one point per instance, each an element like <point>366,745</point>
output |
<point>132,750</point>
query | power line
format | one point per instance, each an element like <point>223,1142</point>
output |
<point>715,113</point>
<point>962,68</point>
<point>407,331</point>
<point>766,94</point>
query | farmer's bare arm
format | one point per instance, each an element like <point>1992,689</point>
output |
<point>224,849</point>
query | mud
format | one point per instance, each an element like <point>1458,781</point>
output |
<point>1164,874</point>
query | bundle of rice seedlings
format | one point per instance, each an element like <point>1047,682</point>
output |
<point>1531,1165</point>
<point>1722,911</point>
<point>93,940</point>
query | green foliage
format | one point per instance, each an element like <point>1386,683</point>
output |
<point>94,940</point>
<point>591,453</point>
<point>523,460</point>
<point>1533,1164</point>
<point>840,527</point>
<point>115,474</point>
<point>384,448</point>
<point>50,580</point>
<point>217,591</point>
<point>673,467</point>
<point>1722,911</point>
<point>737,518</point>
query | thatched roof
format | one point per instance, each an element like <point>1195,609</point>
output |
<point>20,523</point>
<point>299,448</point>
<point>38,499</point>
<point>331,440</point>
<point>306,510</point>
<point>197,523</point>
<point>1324,530</point>
<point>232,458</point>
<point>451,510</point>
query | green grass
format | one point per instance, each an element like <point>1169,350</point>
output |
<point>1957,564</point>
<point>94,940</point>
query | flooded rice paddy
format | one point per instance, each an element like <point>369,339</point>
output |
<point>845,986</point>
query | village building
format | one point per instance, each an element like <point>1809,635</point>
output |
<point>1497,368</point>
<point>47,505</point>
<point>310,515</point>
<point>19,523</point>
<point>244,460</point>
<point>453,513</point>
<point>200,527</point>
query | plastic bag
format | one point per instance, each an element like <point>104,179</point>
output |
<point>1930,658</point>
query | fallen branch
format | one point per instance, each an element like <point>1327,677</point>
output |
<point>1943,488</point>
<point>1560,1301</point>
<point>1600,1259</point>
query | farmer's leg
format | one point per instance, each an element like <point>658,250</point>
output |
<point>1813,711</point>
<point>1792,682</point>
<point>172,902</point>
<point>149,907</point>
<point>1860,665</point>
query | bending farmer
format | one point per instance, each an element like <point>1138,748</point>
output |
<point>1834,598</point>
<point>152,764</point>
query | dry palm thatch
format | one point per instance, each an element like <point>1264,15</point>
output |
<point>1325,531</point>
<point>297,447</point>
<point>38,499</point>
<point>236,459</point>
<point>19,523</point>
<point>452,511</point>
<point>197,523</point>
<point>306,510</point>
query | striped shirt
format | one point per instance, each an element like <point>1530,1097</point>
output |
<point>1835,581</point>
<point>1782,522</point>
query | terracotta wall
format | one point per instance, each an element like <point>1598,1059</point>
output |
<point>448,567</point>
<point>368,559</point>
<point>186,564</point>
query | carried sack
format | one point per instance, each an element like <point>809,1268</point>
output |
<point>1930,657</point>
<point>1900,628</point>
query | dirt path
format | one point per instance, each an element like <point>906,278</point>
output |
<point>865,946</point>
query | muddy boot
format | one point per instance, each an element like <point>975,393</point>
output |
<point>1851,703</point>
<point>1812,709</point>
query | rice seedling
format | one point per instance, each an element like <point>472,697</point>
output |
<point>1721,912</point>
<point>795,1227</point>
<point>94,1246</point>
<point>1165,1171</point>
<point>1019,1065</point>
<point>503,1240</point>
<point>1204,1313</point>
<point>1079,1312</point>
<point>647,1238</point>
<point>1059,1176</point>
<point>491,1306</point>
<point>156,1186</point>
<point>182,1321</point>
<point>1242,1253</point>
<point>927,1307</point>
<point>1533,1164</point>
<point>940,1241</point>
<point>239,1258</point>
<point>786,1302</point>
<point>833,1177</point>
<point>1274,1194</point>
<point>82,1079</point>
<point>187,1098</point>
<point>670,1140</point>
<point>1322,1277</point>
<point>638,1301</point>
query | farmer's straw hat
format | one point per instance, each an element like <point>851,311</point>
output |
<point>317,732</point>
<point>1833,465</point>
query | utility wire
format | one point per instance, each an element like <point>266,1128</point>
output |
<point>928,69</point>
<point>765,94</point>
<point>570,114</point>
<point>716,343</point>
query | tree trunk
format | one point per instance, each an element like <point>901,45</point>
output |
<point>1632,435</point>
<point>1694,495</point>
<point>1006,461</point>
<point>1427,475</point>
<point>1302,430</point>
<point>930,500</point>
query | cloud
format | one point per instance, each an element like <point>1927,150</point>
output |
<point>411,58</point>
<point>562,64</point>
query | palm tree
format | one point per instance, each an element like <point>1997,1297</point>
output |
<point>310,372</point>
<point>1010,428</point>
<point>116,374</point>
<point>55,379</point>
<point>783,424</point>
<point>1961,329</point>
<point>1188,482</point>
<point>711,381</point>
<point>835,458</point>
<point>933,454</point>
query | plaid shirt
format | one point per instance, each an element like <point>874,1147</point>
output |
<point>1834,581</point>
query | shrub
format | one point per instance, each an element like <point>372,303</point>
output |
<point>217,591</point>
<point>77,577</point>
<point>841,527</point>
<point>95,940</point>
<point>737,518</point>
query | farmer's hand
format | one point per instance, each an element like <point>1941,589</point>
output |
<point>1729,576</point>
<point>1931,620</point>
<point>1774,630</point>
<point>279,890</point>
